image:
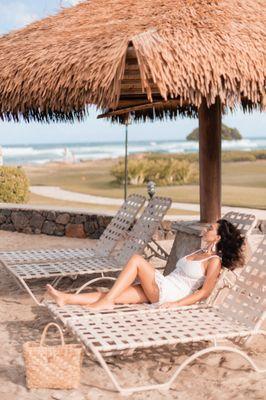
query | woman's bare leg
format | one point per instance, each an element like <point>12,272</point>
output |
<point>137,267</point>
<point>122,291</point>
<point>82,299</point>
<point>132,295</point>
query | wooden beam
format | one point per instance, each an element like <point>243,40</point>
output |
<point>137,92</point>
<point>127,86</point>
<point>140,107</point>
<point>132,63</point>
<point>130,102</point>
<point>128,90</point>
<point>210,120</point>
<point>142,97</point>
<point>133,77</point>
<point>132,67</point>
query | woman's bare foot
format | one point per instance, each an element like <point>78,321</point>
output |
<point>59,297</point>
<point>102,304</point>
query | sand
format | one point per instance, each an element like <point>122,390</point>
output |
<point>214,376</point>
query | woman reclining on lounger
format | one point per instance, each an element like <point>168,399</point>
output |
<point>192,280</point>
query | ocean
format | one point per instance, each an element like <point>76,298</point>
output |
<point>44,153</point>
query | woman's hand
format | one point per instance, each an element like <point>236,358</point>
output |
<point>169,304</point>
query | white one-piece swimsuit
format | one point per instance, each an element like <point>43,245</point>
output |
<point>187,277</point>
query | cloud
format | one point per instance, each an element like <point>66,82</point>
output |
<point>15,15</point>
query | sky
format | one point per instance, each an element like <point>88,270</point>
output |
<point>15,14</point>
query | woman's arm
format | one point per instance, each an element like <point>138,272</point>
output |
<point>212,273</point>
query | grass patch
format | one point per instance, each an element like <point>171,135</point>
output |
<point>244,183</point>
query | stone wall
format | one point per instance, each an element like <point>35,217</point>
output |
<point>61,222</point>
<point>50,222</point>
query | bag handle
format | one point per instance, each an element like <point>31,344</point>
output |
<point>43,337</point>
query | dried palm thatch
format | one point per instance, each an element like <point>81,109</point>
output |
<point>114,53</point>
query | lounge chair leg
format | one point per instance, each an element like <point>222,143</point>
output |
<point>166,386</point>
<point>25,286</point>
<point>257,328</point>
<point>56,281</point>
<point>126,391</point>
<point>214,349</point>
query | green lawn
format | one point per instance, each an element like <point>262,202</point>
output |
<point>251,174</point>
<point>244,183</point>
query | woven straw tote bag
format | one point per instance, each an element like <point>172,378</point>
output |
<point>52,367</point>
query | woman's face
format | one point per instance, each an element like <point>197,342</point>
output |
<point>210,234</point>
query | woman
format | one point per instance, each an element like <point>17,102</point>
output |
<point>192,280</point>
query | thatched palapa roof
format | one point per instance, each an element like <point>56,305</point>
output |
<point>115,53</point>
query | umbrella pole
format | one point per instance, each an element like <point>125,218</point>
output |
<point>126,160</point>
<point>210,120</point>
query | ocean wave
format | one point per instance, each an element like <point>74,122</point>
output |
<point>41,154</point>
<point>244,144</point>
<point>30,151</point>
<point>17,151</point>
<point>97,156</point>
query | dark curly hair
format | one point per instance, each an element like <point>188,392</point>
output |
<point>230,246</point>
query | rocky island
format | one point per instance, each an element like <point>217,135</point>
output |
<point>227,134</point>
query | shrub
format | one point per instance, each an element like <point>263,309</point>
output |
<point>191,157</point>
<point>227,156</point>
<point>164,171</point>
<point>136,172</point>
<point>172,169</point>
<point>14,185</point>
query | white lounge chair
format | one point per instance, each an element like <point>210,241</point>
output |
<point>135,242</point>
<point>115,231</point>
<point>239,316</point>
<point>244,222</point>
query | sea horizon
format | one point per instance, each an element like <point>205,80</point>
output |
<point>41,153</point>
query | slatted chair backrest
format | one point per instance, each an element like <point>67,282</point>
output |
<point>244,222</point>
<point>144,228</point>
<point>246,300</point>
<point>119,225</point>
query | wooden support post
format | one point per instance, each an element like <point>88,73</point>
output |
<point>127,121</point>
<point>210,121</point>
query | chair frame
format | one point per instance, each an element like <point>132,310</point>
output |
<point>115,231</point>
<point>239,316</point>
<point>244,222</point>
<point>135,242</point>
